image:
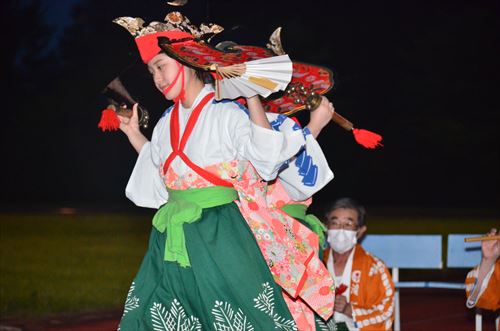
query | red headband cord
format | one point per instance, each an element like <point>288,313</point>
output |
<point>168,88</point>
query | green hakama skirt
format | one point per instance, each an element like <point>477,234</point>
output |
<point>228,285</point>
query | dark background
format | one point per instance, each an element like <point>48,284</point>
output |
<point>424,74</point>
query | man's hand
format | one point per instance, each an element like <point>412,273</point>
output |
<point>491,248</point>
<point>342,306</point>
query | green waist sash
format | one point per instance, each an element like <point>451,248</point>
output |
<point>186,206</point>
<point>299,211</point>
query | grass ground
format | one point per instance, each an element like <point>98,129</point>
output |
<point>66,263</point>
<point>54,263</point>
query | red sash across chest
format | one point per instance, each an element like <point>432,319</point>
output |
<point>178,148</point>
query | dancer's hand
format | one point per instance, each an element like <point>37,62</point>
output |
<point>130,126</point>
<point>320,117</point>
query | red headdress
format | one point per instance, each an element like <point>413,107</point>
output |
<point>236,76</point>
<point>254,71</point>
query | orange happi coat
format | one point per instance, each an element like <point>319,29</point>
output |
<point>371,291</point>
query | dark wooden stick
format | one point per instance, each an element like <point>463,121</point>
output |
<point>342,121</point>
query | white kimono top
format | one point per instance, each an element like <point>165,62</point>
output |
<point>223,132</point>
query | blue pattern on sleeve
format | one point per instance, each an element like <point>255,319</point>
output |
<point>304,162</point>
<point>307,169</point>
<point>276,124</point>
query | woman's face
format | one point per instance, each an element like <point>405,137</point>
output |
<point>164,69</point>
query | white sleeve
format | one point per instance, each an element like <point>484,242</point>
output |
<point>308,171</point>
<point>475,292</point>
<point>145,186</point>
<point>266,149</point>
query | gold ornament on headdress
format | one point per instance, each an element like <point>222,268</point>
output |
<point>177,3</point>
<point>173,21</point>
<point>275,42</point>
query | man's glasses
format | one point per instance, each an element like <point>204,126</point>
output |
<point>347,225</point>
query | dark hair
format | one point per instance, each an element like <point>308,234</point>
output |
<point>348,203</point>
<point>205,77</point>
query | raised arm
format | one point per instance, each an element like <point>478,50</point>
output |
<point>257,113</point>
<point>320,117</point>
<point>145,186</point>
<point>479,280</point>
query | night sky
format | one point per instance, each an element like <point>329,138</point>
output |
<point>424,74</point>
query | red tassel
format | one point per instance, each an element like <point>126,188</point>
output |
<point>109,120</point>
<point>367,138</point>
<point>340,289</point>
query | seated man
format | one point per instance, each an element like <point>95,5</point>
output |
<point>482,284</point>
<point>364,287</point>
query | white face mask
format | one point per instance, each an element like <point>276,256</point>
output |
<point>342,240</point>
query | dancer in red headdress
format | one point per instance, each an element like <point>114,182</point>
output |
<point>218,257</point>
